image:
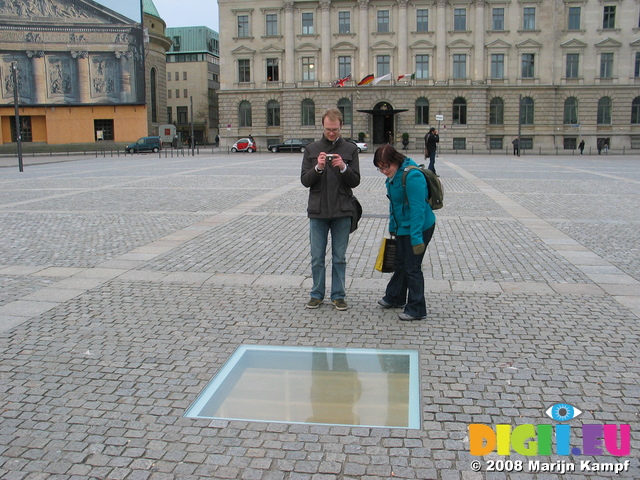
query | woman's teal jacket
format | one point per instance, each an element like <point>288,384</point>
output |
<point>410,213</point>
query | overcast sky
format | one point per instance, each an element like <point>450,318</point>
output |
<point>189,13</point>
<point>128,8</point>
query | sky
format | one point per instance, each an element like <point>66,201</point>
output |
<point>175,13</point>
<point>188,13</point>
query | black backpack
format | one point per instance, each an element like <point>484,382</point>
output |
<point>436,192</point>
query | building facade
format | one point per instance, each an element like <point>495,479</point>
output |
<point>156,47</point>
<point>78,69</point>
<point>193,80</point>
<point>484,72</point>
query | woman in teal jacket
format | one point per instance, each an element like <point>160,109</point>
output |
<point>413,222</point>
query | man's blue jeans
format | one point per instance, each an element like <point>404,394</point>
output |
<point>432,161</point>
<point>318,236</point>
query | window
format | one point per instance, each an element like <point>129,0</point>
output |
<point>169,93</point>
<point>529,18</point>
<point>168,76</point>
<point>383,21</point>
<point>574,18</point>
<point>383,65</point>
<point>273,113</point>
<point>460,143</point>
<point>422,22</point>
<point>606,65</point>
<point>604,111</point>
<point>307,23</point>
<point>422,111</point>
<point>528,65</point>
<point>244,71</point>
<point>169,115</point>
<point>177,93</point>
<point>636,69</point>
<point>345,107</point>
<point>344,22</point>
<point>184,75</point>
<point>570,111</point>
<point>459,19</point>
<point>177,76</point>
<point>344,66</point>
<point>459,111</point>
<point>244,114</point>
<point>105,125</point>
<point>460,65</point>
<point>526,111</point>
<point>308,113</point>
<point>422,66</point>
<point>272,24</point>
<point>496,111</point>
<point>497,19</point>
<point>273,72</point>
<point>495,143</point>
<point>609,17</point>
<point>185,93</point>
<point>308,69</point>
<point>635,111</point>
<point>243,25</point>
<point>176,44</point>
<point>183,115</point>
<point>572,65</point>
<point>497,66</point>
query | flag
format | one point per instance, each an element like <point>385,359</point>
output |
<point>342,81</point>
<point>379,79</point>
<point>366,80</point>
<point>408,76</point>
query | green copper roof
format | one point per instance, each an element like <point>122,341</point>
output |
<point>149,8</point>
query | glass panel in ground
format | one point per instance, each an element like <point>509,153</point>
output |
<point>315,385</point>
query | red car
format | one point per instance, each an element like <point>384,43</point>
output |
<point>244,145</point>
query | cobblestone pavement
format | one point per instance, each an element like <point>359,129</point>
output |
<point>126,283</point>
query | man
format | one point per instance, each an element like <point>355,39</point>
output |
<point>516,147</point>
<point>431,141</point>
<point>330,169</point>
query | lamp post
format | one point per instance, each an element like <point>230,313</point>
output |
<point>14,73</point>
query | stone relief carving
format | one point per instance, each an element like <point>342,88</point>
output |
<point>33,37</point>
<point>60,76</point>
<point>103,75</point>
<point>40,8</point>
<point>23,74</point>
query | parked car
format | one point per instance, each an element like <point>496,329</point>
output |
<point>145,144</point>
<point>362,147</point>
<point>244,145</point>
<point>292,145</point>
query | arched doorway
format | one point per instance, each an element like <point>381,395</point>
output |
<point>383,122</point>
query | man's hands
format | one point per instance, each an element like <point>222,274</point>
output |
<point>336,161</point>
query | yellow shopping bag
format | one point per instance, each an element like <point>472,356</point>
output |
<point>386,260</point>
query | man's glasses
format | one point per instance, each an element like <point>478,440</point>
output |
<point>332,130</point>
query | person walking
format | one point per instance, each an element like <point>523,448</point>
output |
<point>413,222</point>
<point>581,147</point>
<point>330,169</point>
<point>431,141</point>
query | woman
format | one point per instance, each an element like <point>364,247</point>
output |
<point>412,221</point>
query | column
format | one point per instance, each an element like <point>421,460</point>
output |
<point>125,75</point>
<point>84,89</point>
<point>403,42</point>
<point>39,81</point>
<point>442,73</point>
<point>479,33</point>
<point>325,76</point>
<point>289,45</point>
<point>363,32</point>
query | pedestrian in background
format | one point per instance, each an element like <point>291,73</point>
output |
<point>413,222</point>
<point>581,147</point>
<point>431,141</point>
<point>516,146</point>
<point>330,169</point>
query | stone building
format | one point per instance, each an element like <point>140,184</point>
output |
<point>79,70</point>
<point>193,74</point>
<point>155,67</point>
<point>484,72</point>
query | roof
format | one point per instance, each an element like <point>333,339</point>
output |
<point>149,8</point>
<point>193,39</point>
